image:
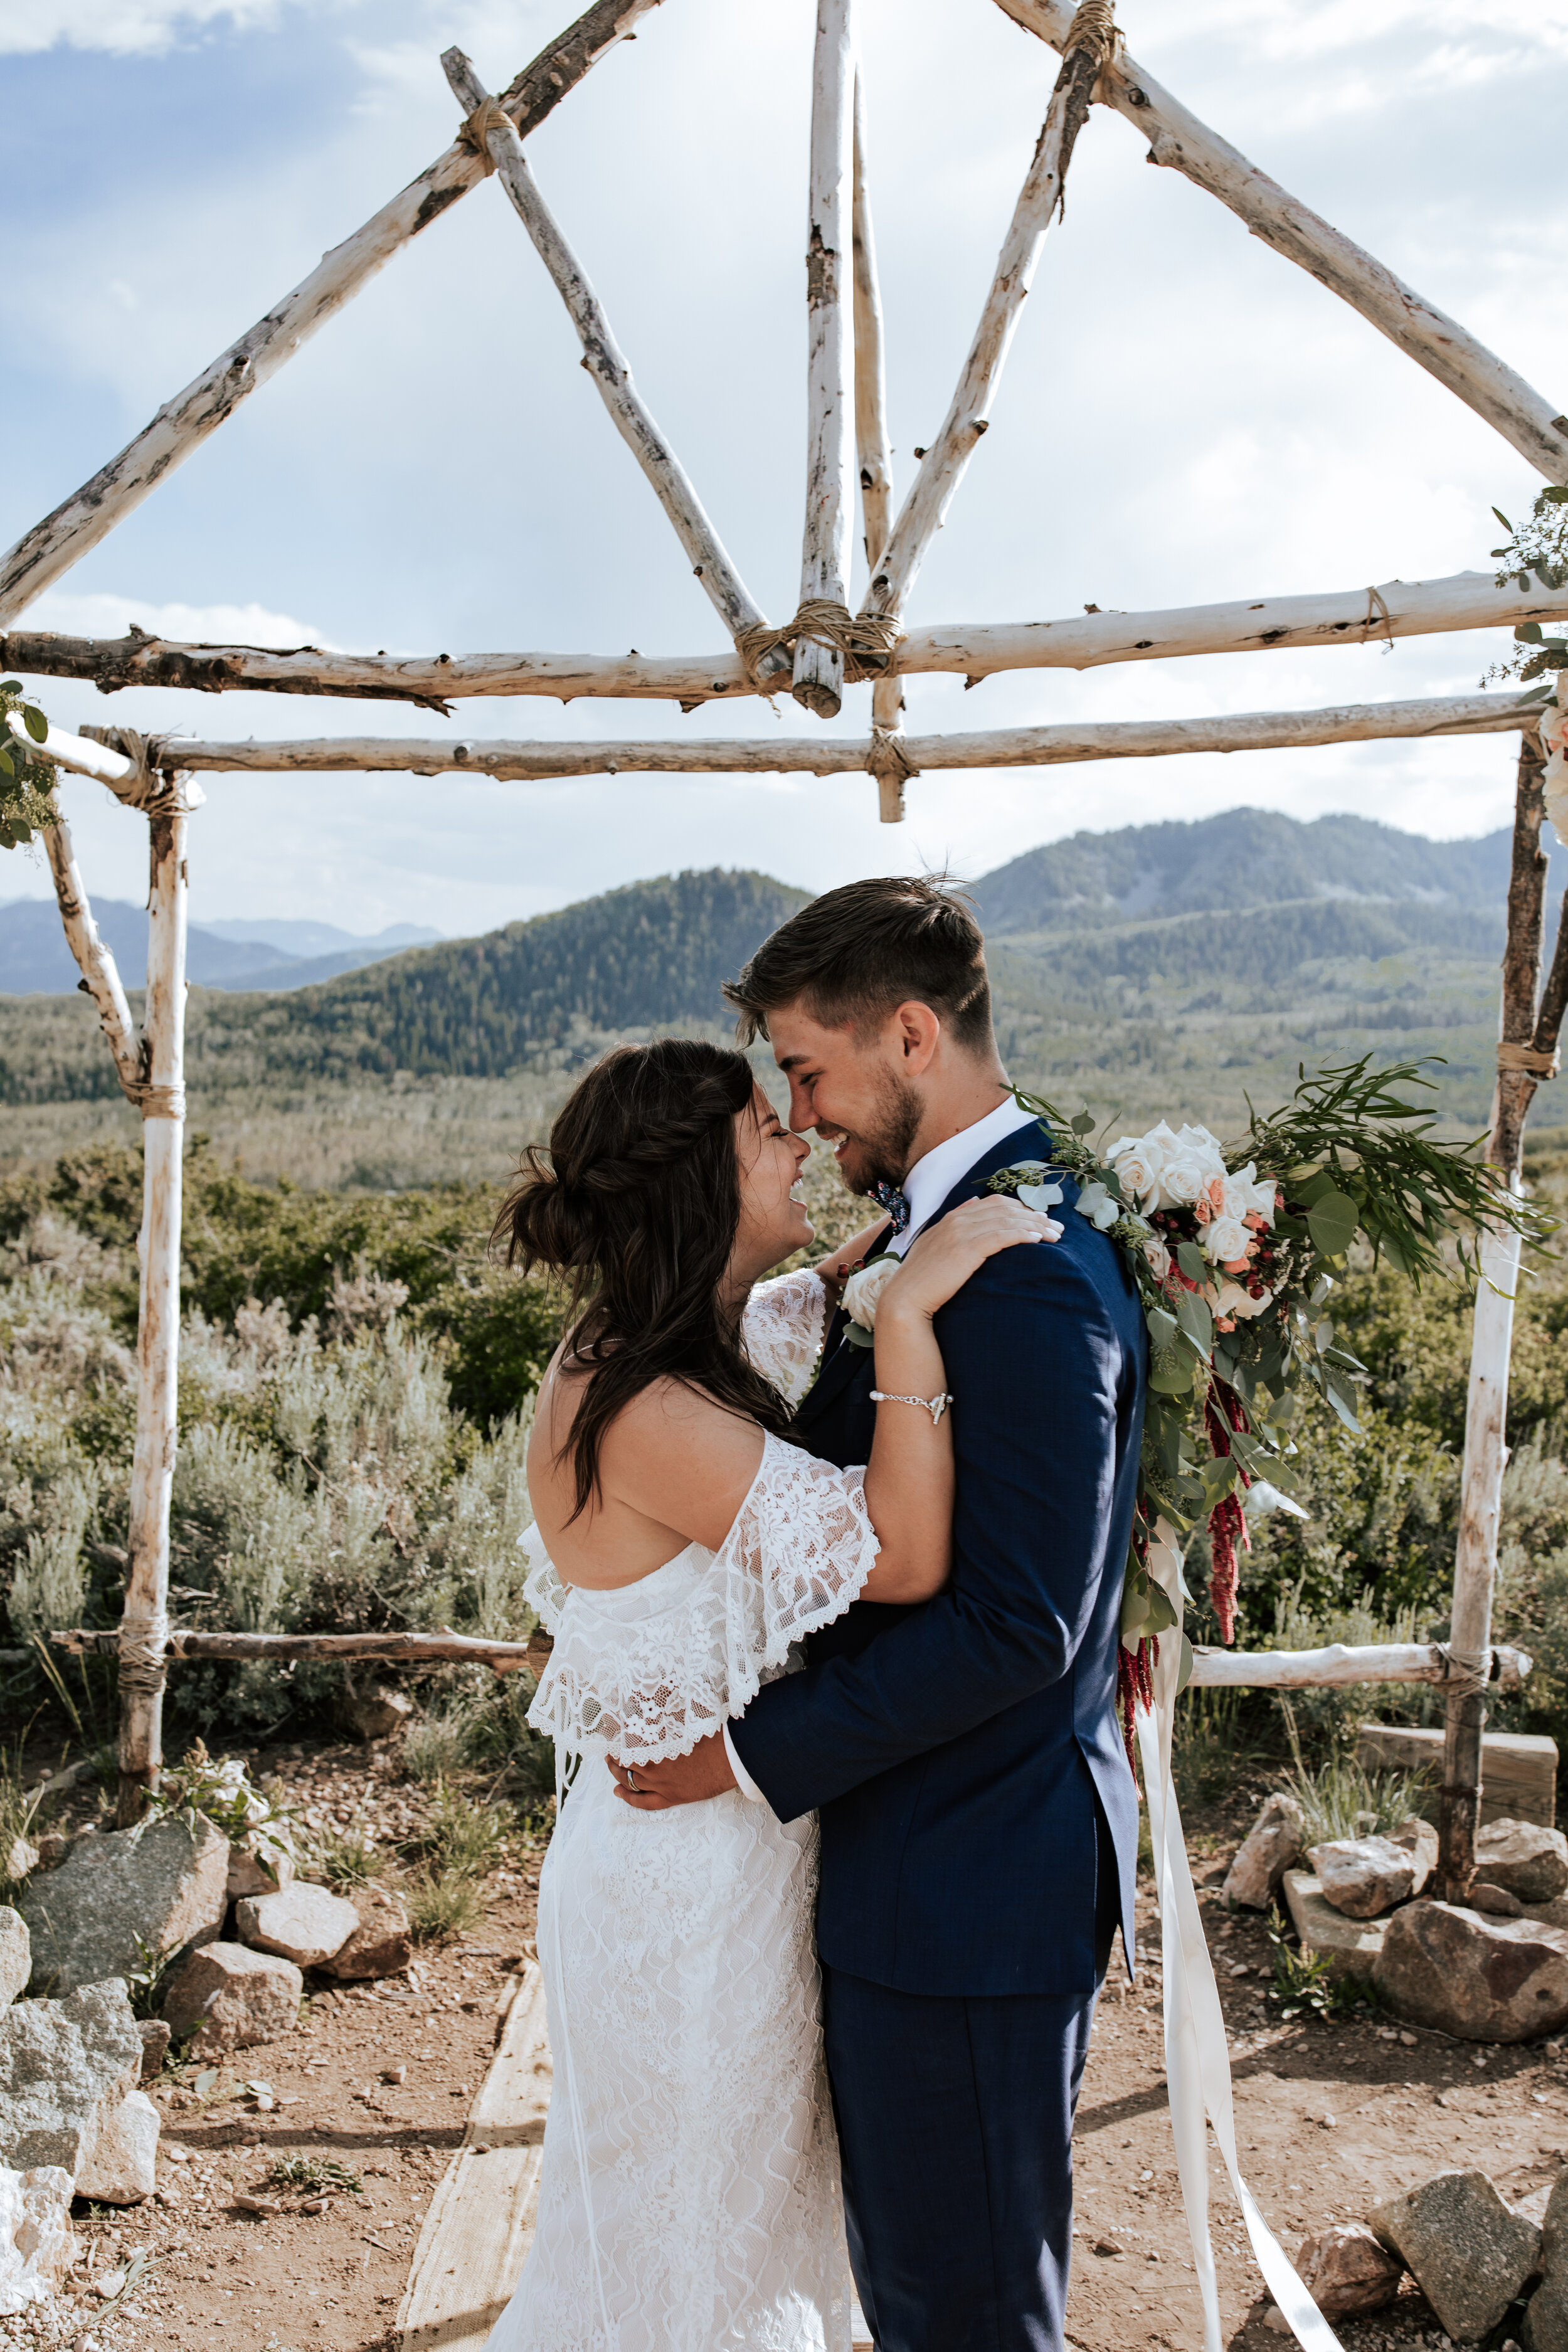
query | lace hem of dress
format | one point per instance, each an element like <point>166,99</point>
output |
<point>798,1554</point>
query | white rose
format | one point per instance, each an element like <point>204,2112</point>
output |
<point>1182,1179</point>
<point>1140,1160</point>
<point>1158,1255</point>
<point>1232,1304</point>
<point>862,1290</point>
<point>1199,1139</point>
<point>1225,1239</point>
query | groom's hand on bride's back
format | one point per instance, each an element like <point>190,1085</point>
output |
<point>683,1780</point>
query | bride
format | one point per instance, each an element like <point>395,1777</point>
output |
<point>689,2196</point>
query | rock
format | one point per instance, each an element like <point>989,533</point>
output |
<point>1364,1877</point>
<point>1468,2252</point>
<point>381,1945</point>
<point>226,1996</point>
<point>1275,2321</point>
<point>155,2040</point>
<point>65,2068</point>
<point>1533,2207</point>
<point>1481,1979</point>
<point>1347,2272</point>
<point>1524,1860</point>
<point>124,2167</point>
<point>36,2245</point>
<point>1419,1840</point>
<point>1546,2319</point>
<point>53,1847</point>
<point>378,1712</point>
<point>1495,1901</point>
<point>1266,1853</point>
<point>1352,1945</point>
<point>21,1860</point>
<point>306,1924</point>
<point>124,1893</point>
<point>15,1955</point>
<point>260,1864</point>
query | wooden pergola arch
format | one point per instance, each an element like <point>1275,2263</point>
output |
<point>823,650</point>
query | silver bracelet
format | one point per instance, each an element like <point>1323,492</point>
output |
<point>936,1406</point>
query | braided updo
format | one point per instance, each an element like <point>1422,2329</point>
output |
<point>638,1203</point>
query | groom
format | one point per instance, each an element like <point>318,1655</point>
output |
<point>979,1822</point>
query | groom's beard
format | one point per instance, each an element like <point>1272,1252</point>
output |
<point>880,1152</point>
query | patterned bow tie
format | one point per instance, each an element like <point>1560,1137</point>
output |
<point>888,1197</point>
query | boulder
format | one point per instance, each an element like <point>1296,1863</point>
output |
<point>1266,1853</point>
<point>226,1996</point>
<point>381,1945</point>
<point>1545,2325</point>
<point>1364,1877</point>
<point>1419,1840</point>
<point>1495,1901</point>
<point>1523,1859</point>
<point>1467,2252</point>
<point>124,1894</point>
<point>1480,1980</point>
<point>1352,1946</point>
<point>21,1860</point>
<point>378,1712</point>
<point>259,1864</point>
<point>155,2040</point>
<point>124,2167</point>
<point>65,2068</point>
<point>304,1924</point>
<point>36,2246</point>
<point>1347,2272</point>
<point>15,1955</point>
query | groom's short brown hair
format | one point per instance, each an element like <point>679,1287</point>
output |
<point>856,952</point>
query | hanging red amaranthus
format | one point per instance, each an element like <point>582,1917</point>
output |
<point>1227,1520</point>
<point>1135,1687</point>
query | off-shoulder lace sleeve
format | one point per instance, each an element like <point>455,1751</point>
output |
<point>782,1330</point>
<point>651,1683</point>
<point>543,1589</point>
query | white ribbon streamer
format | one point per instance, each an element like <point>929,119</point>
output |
<point>1197,2060</point>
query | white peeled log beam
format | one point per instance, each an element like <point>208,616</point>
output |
<point>1012,747</point>
<point>606,363</point>
<point>281,1649</point>
<point>945,462</point>
<point>1340,1666</point>
<point>64,537</point>
<point>873,451</point>
<point>145,1620</point>
<point>1514,408</point>
<point>818,681</point>
<point>1349,616</point>
<point>100,975</point>
<point>83,757</point>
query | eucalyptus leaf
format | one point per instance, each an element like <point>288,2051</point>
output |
<point>1331,1221</point>
<point>33,720</point>
<point>1191,1261</point>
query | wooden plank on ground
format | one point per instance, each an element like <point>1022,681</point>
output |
<point>480,2222</point>
<point>1518,1768</point>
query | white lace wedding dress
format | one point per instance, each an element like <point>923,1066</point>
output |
<point>689,2198</point>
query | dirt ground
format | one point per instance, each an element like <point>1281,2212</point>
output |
<point>1330,2117</point>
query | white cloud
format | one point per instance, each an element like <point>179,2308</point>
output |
<point>125,27</point>
<point>104,616</point>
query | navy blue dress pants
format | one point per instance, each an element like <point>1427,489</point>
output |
<point>955,2119</point>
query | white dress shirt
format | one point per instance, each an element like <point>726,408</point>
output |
<point>925,1188</point>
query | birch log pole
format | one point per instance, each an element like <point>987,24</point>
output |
<point>606,364</point>
<point>1016,747</point>
<point>1340,1666</point>
<point>1486,1407</point>
<point>873,453</point>
<point>101,975</point>
<point>283,1649</point>
<point>1434,341</point>
<point>818,681</point>
<point>144,1622</point>
<point>1350,616</point>
<point>63,538</point>
<point>944,465</point>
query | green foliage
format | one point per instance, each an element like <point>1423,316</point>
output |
<point>1306,1983</point>
<point>25,782</point>
<point>314,2172</point>
<point>1537,545</point>
<point>1340,1799</point>
<point>345,1857</point>
<point>443,1903</point>
<point>463,1835</point>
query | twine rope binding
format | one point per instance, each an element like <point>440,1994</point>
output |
<point>143,1645</point>
<point>160,1102</point>
<point>1530,1061</point>
<point>866,640</point>
<point>1468,1676</point>
<point>889,756</point>
<point>475,130</point>
<point>1093,27</point>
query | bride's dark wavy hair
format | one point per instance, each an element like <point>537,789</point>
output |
<point>637,1203</point>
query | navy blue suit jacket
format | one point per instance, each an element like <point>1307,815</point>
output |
<point>956,1750</point>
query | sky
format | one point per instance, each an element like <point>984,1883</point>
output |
<point>1185,417</point>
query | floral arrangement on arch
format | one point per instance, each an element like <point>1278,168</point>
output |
<point>1236,1249</point>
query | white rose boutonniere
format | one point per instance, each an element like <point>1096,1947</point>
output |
<point>861,1292</point>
